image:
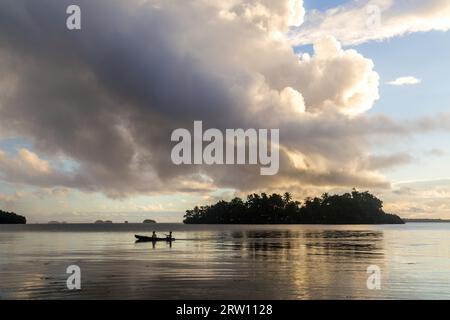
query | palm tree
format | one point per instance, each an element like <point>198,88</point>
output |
<point>287,197</point>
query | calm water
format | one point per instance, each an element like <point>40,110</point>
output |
<point>226,262</point>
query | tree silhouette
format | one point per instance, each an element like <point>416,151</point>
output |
<point>11,218</point>
<point>349,208</point>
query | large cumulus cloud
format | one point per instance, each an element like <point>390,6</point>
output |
<point>109,96</point>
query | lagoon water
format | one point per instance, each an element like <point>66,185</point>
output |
<point>226,262</point>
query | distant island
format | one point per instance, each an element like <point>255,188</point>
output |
<point>350,208</point>
<point>149,221</point>
<point>103,222</point>
<point>11,218</point>
<point>427,220</point>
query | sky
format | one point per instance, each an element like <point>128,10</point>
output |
<point>358,90</point>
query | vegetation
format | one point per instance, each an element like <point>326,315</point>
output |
<point>349,208</point>
<point>103,222</point>
<point>11,218</point>
<point>149,221</point>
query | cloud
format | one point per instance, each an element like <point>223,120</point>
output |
<point>357,22</point>
<point>420,199</point>
<point>32,160</point>
<point>436,152</point>
<point>27,167</point>
<point>108,97</point>
<point>26,163</point>
<point>268,15</point>
<point>10,199</point>
<point>403,81</point>
<point>337,79</point>
<point>377,162</point>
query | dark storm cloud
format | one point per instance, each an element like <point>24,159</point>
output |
<point>108,97</point>
<point>105,94</point>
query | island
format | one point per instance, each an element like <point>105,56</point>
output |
<point>149,221</point>
<point>103,222</point>
<point>11,218</point>
<point>349,208</point>
<point>426,220</point>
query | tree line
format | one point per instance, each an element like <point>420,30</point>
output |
<point>349,208</point>
<point>11,218</point>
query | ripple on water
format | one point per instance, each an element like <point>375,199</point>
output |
<point>228,262</point>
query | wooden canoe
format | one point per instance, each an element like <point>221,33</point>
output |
<point>152,239</point>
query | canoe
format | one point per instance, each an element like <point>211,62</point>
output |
<point>152,239</point>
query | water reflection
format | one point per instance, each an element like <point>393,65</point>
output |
<point>292,263</point>
<point>325,242</point>
<point>228,262</point>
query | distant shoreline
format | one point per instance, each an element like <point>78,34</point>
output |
<point>159,225</point>
<point>426,220</point>
<point>242,224</point>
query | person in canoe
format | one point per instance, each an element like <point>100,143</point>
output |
<point>169,236</point>
<point>154,236</point>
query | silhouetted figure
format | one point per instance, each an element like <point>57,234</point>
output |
<point>154,235</point>
<point>169,236</point>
